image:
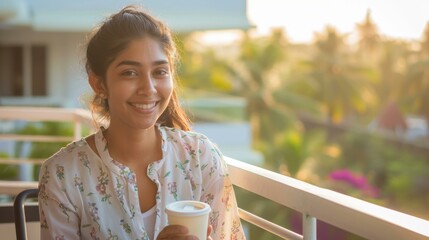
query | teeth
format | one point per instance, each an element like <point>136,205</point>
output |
<point>144,106</point>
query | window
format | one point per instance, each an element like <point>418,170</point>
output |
<point>23,71</point>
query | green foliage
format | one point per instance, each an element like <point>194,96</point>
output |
<point>7,171</point>
<point>202,69</point>
<point>398,174</point>
<point>291,149</point>
<point>406,178</point>
<point>416,84</point>
<point>44,149</point>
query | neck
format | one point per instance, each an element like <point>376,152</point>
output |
<point>134,147</point>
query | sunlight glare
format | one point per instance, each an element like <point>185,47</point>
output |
<point>404,19</point>
<point>220,37</point>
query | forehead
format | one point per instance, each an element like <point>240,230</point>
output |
<point>143,49</point>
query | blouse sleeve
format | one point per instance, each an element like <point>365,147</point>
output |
<point>58,217</point>
<point>219,194</point>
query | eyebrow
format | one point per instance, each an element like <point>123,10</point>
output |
<point>138,64</point>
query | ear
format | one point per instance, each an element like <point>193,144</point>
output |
<point>96,84</point>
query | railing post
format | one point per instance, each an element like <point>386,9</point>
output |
<point>310,228</point>
<point>77,130</point>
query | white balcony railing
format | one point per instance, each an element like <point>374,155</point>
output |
<point>350,214</point>
<point>78,117</point>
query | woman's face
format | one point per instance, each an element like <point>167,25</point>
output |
<point>139,85</point>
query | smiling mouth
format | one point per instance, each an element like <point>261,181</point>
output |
<point>144,106</point>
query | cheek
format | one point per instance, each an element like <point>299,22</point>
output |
<point>167,89</point>
<point>120,90</point>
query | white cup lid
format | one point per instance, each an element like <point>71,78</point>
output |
<point>187,208</point>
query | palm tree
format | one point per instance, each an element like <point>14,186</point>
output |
<point>338,84</point>
<point>254,72</point>
<point>416,83</point>
<point>260,78</point>
<point>202,69</point>
<point>425,42</point>
<point>389,86</point>
<point>368,38</point>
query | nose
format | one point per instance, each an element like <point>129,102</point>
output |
<point>146,86</point>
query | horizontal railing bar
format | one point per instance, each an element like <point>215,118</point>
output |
<point>45,114</point>
<point>36,138</point>
<point>269,226</point>
<point>15,187</point>
<point>351,214</point>
<point>18,161</point>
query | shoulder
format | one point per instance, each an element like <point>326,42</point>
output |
<point>174,132</point>
<point>178,135</point>
<point>181,137</point>
<point>194,143</point>
<point>68,155</point>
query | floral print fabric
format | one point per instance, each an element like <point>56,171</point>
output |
<point>86,196</point>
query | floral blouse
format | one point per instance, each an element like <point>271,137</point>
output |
<point>84,196</point>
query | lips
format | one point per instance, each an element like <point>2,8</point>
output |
<point>144,106</point>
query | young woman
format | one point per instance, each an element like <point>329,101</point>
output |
<point>116,183</point>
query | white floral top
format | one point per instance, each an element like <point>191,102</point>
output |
<point>83,196</point>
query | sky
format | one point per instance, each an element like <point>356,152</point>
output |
<point>403,19</point>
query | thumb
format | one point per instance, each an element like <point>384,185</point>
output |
<point>209,231</point>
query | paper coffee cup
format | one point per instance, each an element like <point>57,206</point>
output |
<point>192,214</point>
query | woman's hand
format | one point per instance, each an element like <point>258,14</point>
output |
<point>180,232</point>
<point>209,232</point>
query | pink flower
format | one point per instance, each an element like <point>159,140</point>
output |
<point>101,188</point>
<point>356,181</point>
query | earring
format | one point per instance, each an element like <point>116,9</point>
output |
<point>101,99</point>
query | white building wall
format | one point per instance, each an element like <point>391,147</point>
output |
<point>66,77</point>
<point>67,72</point>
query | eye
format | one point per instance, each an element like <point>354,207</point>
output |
<point>129,73</point>
<point>161,72</point>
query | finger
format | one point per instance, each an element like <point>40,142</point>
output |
<point>209,230</point>
<point>173,232</point>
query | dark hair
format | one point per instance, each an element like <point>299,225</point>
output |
<point>113,36</point>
